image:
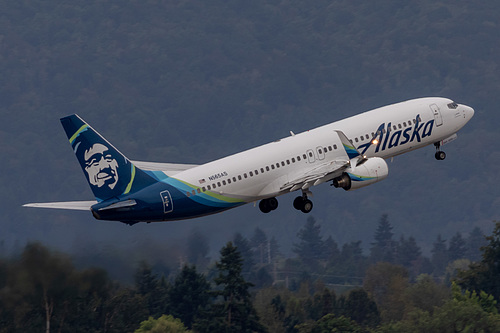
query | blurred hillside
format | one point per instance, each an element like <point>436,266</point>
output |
<point>192,81</point>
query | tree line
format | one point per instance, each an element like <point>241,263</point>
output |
<point>242,292</point>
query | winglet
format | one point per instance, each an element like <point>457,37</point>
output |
<point>351,151</point>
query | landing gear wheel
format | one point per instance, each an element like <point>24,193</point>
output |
<point>440,155</point>
<point>272,203</point>
<point>298,203</point>
<point>264,207</point>
<point>307,206</point>
<point>303,204</point>
<point>267,205</point>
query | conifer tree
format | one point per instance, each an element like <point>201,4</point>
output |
<point>457,247</point>
<point>234,311</point>
<point>311,246</point>
<point>484,275</point>
<point>260,246</point>
<point>408,251</point>
<point>245,250</point>
<point>439,256</point>
<point>188,295</point>
<point>384,248</point>
<point>152,289</point>
<point>475,241</point>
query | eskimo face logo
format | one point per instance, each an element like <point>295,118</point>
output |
<point>101,166</point>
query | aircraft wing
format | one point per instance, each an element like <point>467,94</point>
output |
<point>73,205</point>
<point>319,174</point>
<point>328,170</point>
<point>169,169</point>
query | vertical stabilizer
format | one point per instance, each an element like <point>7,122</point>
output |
<point>108,172</point>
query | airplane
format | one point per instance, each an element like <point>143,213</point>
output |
<point>349,153</point>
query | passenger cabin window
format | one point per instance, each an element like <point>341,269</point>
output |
<point>293,159</point>
<point>198,190</point>
<point>304,156</point>
<point>267,168</point>
<point>251,174</point>
<point>218,184</point>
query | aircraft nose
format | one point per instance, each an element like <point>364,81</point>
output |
<point>469,112</point>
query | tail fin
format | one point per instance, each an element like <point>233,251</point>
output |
<point>108,172</point>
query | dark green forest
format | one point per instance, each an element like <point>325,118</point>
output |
<point>192,81</point>
<point>252,287</point>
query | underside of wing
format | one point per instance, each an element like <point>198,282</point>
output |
<point>169,169</point>
<point>72,205</point>
<point>320,174</point>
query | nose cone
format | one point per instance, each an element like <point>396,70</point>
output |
<point>468,112</point>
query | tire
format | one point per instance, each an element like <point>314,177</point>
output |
<point>307,206</point>
<point>298,202</point>
<point>264,206</point>
<point>272,203</point>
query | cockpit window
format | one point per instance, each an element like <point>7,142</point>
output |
<point>453,105</point>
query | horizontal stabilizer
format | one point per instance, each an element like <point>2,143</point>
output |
<point>72,205</point>
<point>169,169</point>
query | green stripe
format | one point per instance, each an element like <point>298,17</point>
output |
<point>77,132</point>
<point>129,186</point>
<point>212,194</point>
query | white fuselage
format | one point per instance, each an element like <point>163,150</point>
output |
<point>261,172</point>
<point>349,152</point>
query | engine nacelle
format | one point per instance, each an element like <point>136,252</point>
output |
<point>373,170</point>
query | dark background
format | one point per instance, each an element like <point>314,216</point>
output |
<point>192,81</point>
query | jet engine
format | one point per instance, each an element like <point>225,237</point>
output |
<point>371,171</point>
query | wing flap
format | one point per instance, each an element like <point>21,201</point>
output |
<point>317,175</point>
<point>72,205</point>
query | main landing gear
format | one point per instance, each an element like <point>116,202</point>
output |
<point>440,155</point>
<point>302,203</point>
<point>267,205</point>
